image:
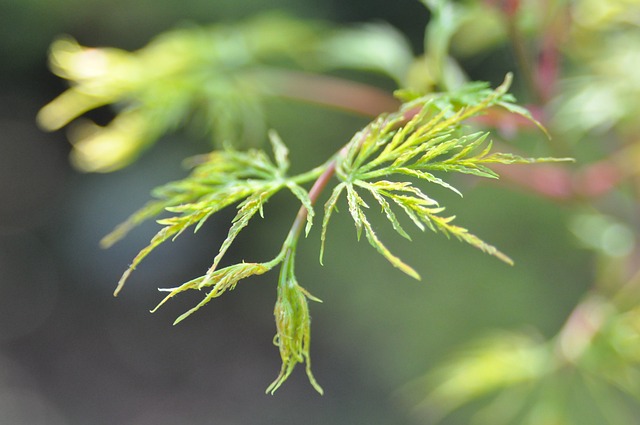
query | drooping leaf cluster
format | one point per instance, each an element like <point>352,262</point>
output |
<point>293,324</point>
<point>247,179</point>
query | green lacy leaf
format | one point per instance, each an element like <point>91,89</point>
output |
<point>219,180</point>
<point>426,136</point>
<point>221,280</point>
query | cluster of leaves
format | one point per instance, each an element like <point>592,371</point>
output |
<point>217,73</point>
<point>248,179</point>
<point>221,179</point>
<point>430,142</point>
<point>423,137</point>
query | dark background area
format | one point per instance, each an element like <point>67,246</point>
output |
<point>71,354</point>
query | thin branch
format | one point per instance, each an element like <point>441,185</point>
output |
<point>359,98</point>
<point>510,9</point>
<point>314,193</point>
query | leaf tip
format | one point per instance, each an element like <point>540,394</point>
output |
<point>107,241</point>
<point>414,274</point>
<point>506,259</point>
<point>122,281</point>
<point>506,84</point>
<point>180,318</point>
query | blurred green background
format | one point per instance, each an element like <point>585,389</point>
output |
<point>71,354</point>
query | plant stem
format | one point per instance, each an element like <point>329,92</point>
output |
<point>329,91</point>
<point>317,188</point>
<point>522,58</point>
<point>319,185</point>
<point>584,322</point>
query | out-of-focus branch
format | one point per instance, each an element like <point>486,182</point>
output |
<point>561,183</point>
<point>578,332</point>
<point>329,91</point>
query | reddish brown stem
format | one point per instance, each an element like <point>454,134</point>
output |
<point>317,188</point>
<point>522,57</point>
<point>335,92</point>
<point>583,324</point>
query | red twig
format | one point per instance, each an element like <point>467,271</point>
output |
<point>335,92</point>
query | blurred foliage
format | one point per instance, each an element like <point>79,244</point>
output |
<point>600,91</point>
<point>596,357</point>
<point>576,65</point>
<point>581,75</point>
<point>214,78</point>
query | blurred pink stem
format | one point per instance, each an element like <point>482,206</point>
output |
<point>329,91</point>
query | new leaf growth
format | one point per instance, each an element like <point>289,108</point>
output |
<point>223,75</point>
